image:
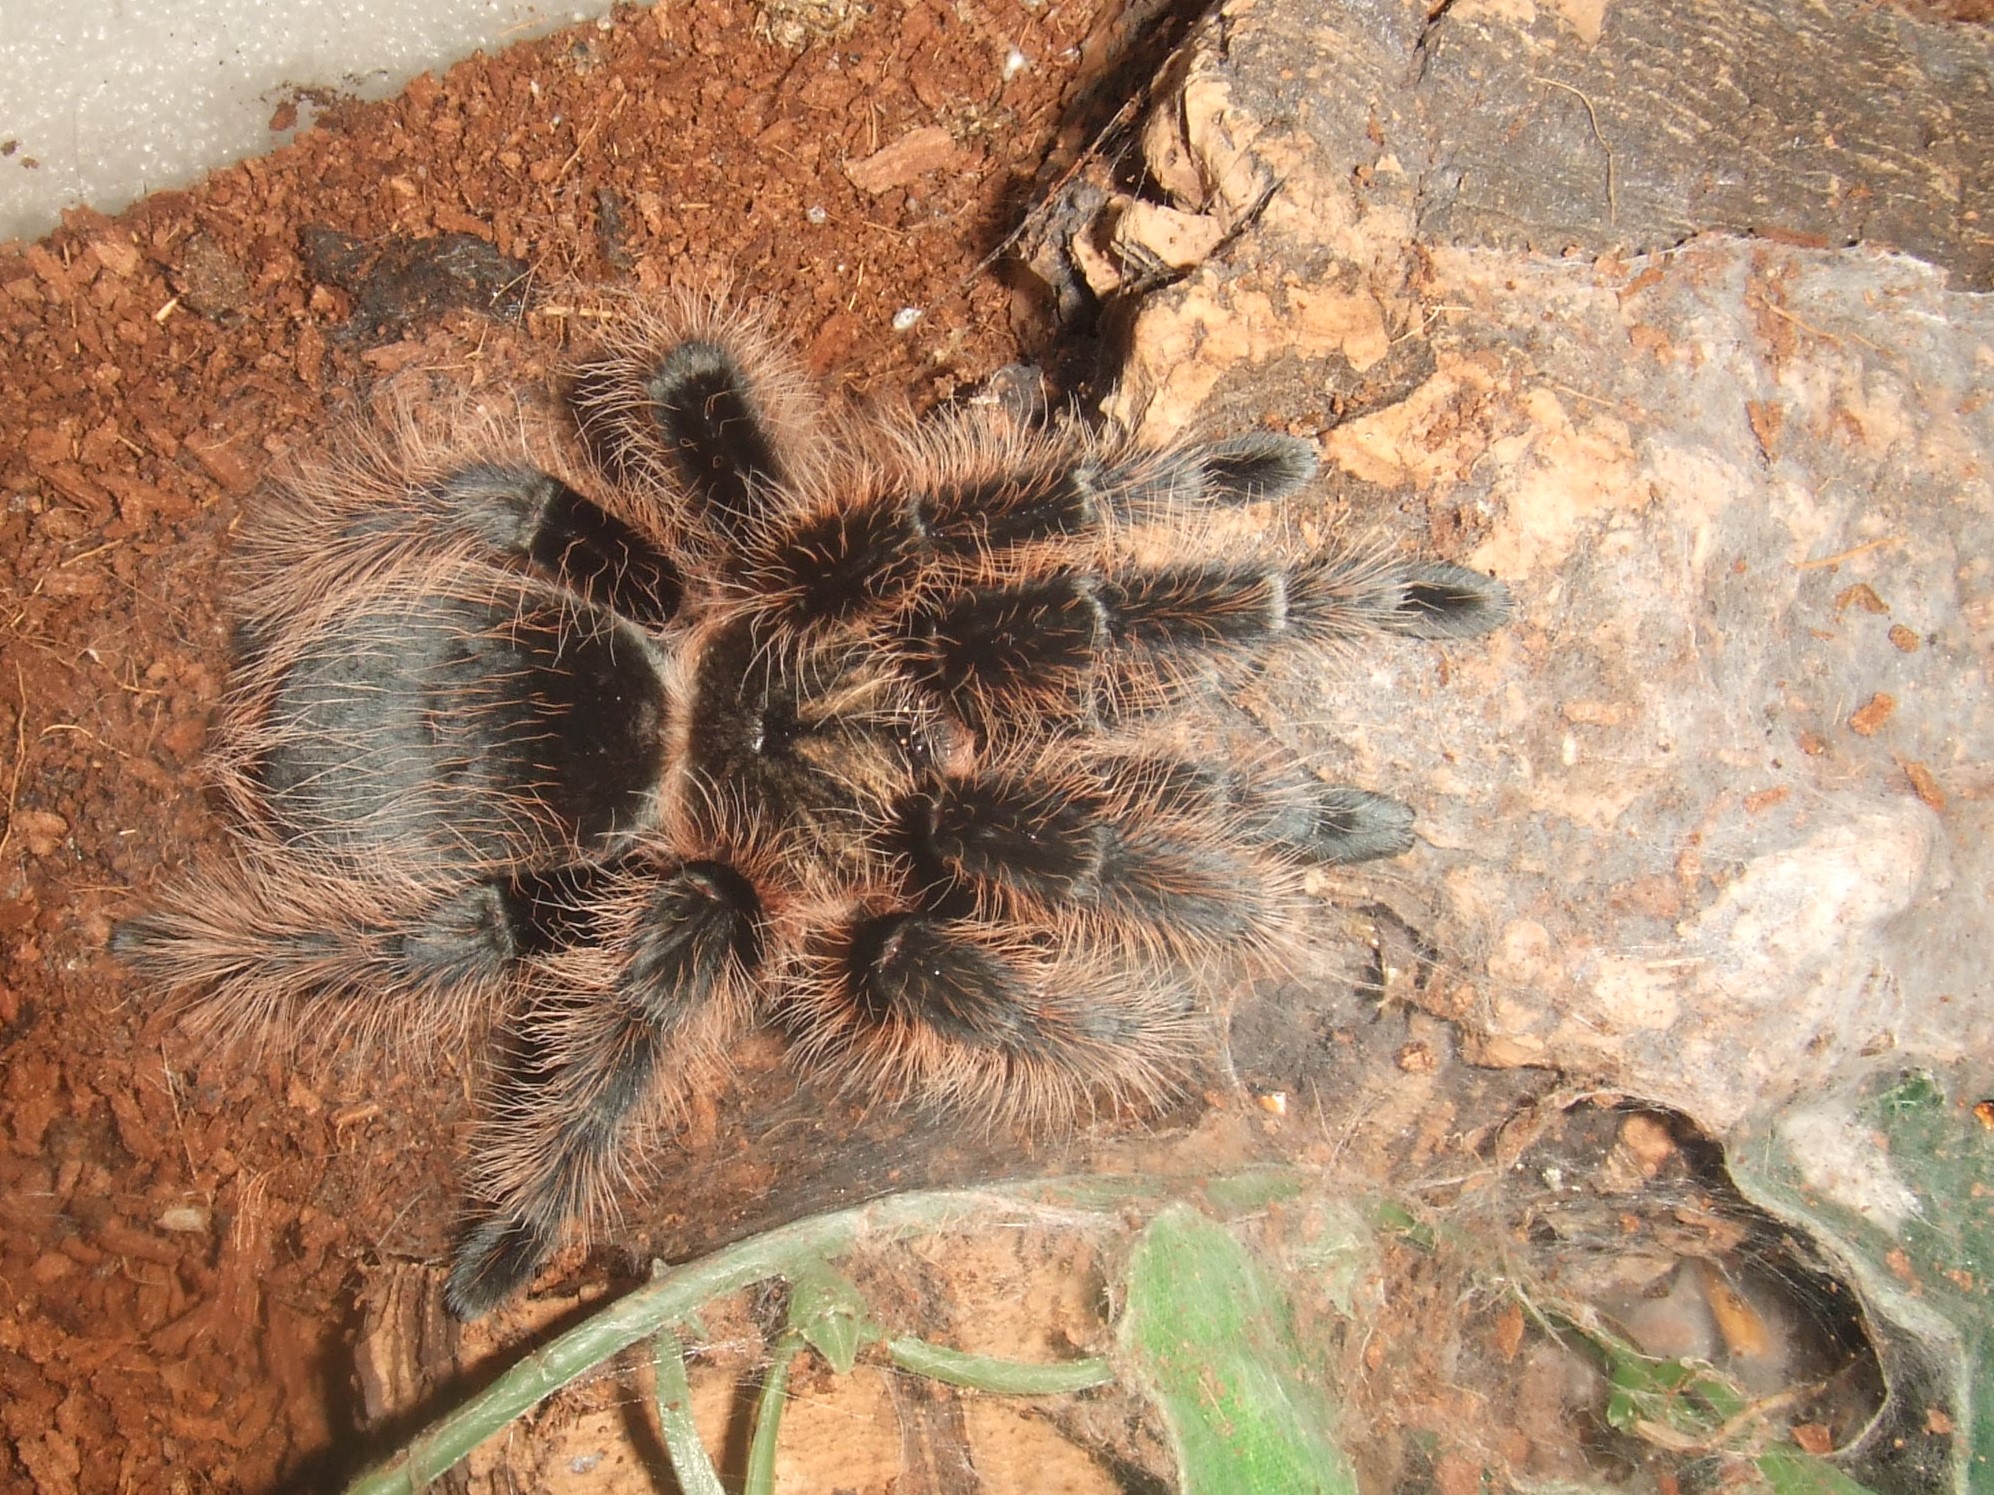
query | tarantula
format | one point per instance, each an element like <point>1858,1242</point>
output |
<point>868,728</point>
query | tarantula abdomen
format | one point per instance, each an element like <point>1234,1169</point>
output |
<point>870,731</point>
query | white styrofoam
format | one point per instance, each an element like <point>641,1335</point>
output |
<point>103,101</point>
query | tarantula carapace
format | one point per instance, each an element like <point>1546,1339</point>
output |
<point>871,729</point>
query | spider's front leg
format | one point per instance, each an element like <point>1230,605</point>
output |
<point>1262,797</point>
<point>1119,640</point>
<point>1142,849</point>
<point>637,973</point>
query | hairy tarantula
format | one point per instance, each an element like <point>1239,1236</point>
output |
<point>867,728</point>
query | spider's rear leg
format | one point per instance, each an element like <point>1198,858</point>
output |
<point>1268,801</point>
<point>319,544</point>
<point>630,973</point>
<point>274,950</point>
<point>1114,855</point>
<point>1003,1017</point>
<point>535,517</point>
<point>638,973</point>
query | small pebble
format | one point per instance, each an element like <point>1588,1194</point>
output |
<point>187,1219</point>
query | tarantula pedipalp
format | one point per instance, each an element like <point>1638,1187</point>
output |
<point>866,728</point>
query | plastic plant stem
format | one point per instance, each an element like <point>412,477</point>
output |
<point>777,1253</point>
<point>690,1465</point>
<point>1000,1377</point>
<point>760,1476</point>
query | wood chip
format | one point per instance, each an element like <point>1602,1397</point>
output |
<point>1868,719</point>
<point>223,465</point>
<point>1922,783</point>
<point>119,256</point>
<point>1861,595</point>
<point>911,156</point>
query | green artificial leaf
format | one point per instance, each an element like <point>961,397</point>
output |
<point>1207,1330</point>
<point>826,1308</point>
<point>1395,1219</point>
<point>1789,1471</point>
<point>690,1464</point>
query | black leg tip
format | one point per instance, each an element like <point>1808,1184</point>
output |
<point>131,938</point>
<point>1355,825</point>
<point>1443,601</point>
<point>1257,466</point>
<point>496,1257</point>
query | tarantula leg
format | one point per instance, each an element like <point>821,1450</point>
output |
<point>831,560</point>
<point>907,968</point>
<point>620,1014</point>
<point>972,1013</point>
<point>540,519</point>
<point>1336,825</point>
<point>1222,606</point>
<point>1051,644</point>
<point>1036,638</point>
<point>496,1255</point>
<point>1277,806</point>
<point>1336,598</point>
<point>1046,638</point>
<point>1048,844</point>
<point>1004,510</point>
<point>837,561</point>
<point>507,919</point>
<point>1445,601</point>
<point>466,936</point>
<point>698,404</point>
<point>1053,500</point>
<point>288,957</point>
<point>1157,486</point>
<point>1256,467</point>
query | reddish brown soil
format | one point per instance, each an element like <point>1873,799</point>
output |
<point>182,1240</point>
